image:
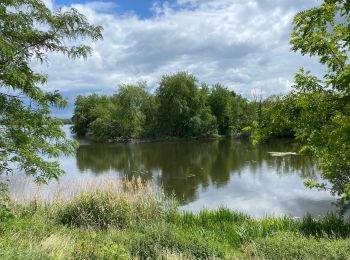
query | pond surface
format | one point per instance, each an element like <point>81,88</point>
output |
<point>209,174</point>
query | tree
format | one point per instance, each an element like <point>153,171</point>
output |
<point>318,111</point>
<point>274,118</point>
<point>28,133</point>
<point>93,116</point>
<point>229,109</point>
<point>182,107</point>
<point>324,32</point>
<point>130,118</point>
<point>220,100</point>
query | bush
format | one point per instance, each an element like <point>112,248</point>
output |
<point>101,210</point>
<point>96,211</point>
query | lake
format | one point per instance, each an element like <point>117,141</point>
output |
<point>211,173</point>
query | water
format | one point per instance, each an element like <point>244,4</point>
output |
<point>210,174</point>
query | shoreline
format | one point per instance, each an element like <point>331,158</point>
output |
<point>136,223</point>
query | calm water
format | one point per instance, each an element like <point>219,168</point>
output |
<point>209,174</point>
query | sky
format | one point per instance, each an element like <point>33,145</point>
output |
<point>243,44</point>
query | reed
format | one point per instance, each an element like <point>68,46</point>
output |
<point>24,190</point>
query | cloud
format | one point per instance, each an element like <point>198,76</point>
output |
<point>243,44</point>
<point>49,4</point>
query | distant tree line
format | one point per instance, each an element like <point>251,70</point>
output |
<point>180,107</point>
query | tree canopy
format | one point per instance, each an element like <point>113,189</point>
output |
<point>29,135</point>
<point>180,108</point>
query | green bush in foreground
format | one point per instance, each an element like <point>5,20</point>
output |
<point>136,225</point>
<point>102,210</point>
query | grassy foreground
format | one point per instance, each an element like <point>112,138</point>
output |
<point>136,223</point>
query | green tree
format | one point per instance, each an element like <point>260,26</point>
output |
<point>93,116</point>
<point>273,118</point>
<point>318,110</point>
<point>29,31</point>
<point>229,109</point>
<point>324,32</point>
<point>83,114</point>
<point>182,106</point>
<point>134,108</point>
<point>220,100</point>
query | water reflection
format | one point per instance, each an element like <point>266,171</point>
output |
<point>184,167</point>
<point>208,174</point>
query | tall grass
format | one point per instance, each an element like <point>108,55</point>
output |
<point>24,190</point>
<point>129,219</point>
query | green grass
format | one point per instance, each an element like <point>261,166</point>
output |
<point>142,225</point>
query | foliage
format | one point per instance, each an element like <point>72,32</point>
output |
<point>122,226</point>
<point>93,115</point>
<point>28,32</point>
<point>179,108</point>
<point>102,210</point>
<point>324,32</point>
<point>229,109</point>
<point>317,112</point>
<point>134,107</point>
<point>182,110</point>
<point>272,119</point>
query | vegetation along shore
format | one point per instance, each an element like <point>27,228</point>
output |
<point>129,220</point>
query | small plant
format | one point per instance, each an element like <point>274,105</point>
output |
<point>5,212</point>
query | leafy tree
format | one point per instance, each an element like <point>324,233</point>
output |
<point>318,111</point>
<point>324,32</point>
<point>220,100</point>
<point>93,116</point>
<point>131,102</point>
<point>229,109</point>
<point>208,122</point>
<point>273,118</point>
<point>150,110</point>
<point>28,133</point>
<point>182,108</point>
<point>101,113</point>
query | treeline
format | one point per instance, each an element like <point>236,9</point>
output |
<point>180,107</point>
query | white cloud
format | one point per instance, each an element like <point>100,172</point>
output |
<point>49,4</point>
<point>243,44</point>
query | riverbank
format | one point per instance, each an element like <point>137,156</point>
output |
<point>138,223</point>
<point>160,139</point>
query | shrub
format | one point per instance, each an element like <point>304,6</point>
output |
<point>96,211</point>
<point>101,210</point>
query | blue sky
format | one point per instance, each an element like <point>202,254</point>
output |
<point>243,44</point>
<point>142,8</point>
